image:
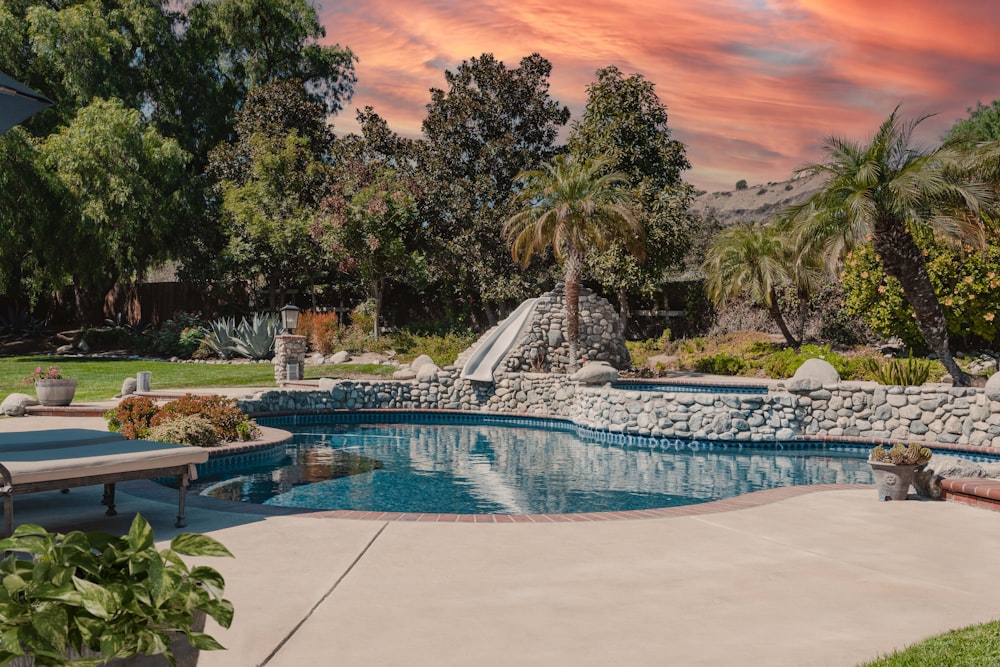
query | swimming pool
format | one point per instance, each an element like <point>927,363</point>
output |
<point>496,465</point>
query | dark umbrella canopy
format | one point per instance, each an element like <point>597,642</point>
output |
<point>18,102</point>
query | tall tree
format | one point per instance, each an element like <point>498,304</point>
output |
<point>756,261</point>
<point>626,123</point>
<point>489,124</point>
<point>119,183</point>
<point>573,206</point>
<point>882,190</point>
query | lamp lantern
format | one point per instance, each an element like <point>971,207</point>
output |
<point>289,318</point>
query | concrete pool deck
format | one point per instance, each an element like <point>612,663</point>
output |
<point>831,577</point>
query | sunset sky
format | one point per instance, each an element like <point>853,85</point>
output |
<point>751,87</point>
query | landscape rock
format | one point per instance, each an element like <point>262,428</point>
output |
<point>315,359</point>
<point>420,361</point>
<point>817,369</point>
<point>128,386</point>
<point>65,349</point>
<point>596,372</point>
<point>341,357</point>
<point>404,374</point>
<point>14,404</point>
<point>927,482</point>
<point>327,384</point>
<point>993,387</point>
<point>427,373</point>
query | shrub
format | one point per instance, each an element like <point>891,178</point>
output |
<point>784,363</point>
<point>741,184</point>
<point>254,339</point>
<point>178,337</point>
<point>193,430</point>
<point>721,364</point>
<point>363,317</point>
<point>443,349</point>
<point>219,336</point>
<point>132,417</point>
<point>902,372</point>
<point>321,330</point>
<point>220,411</point>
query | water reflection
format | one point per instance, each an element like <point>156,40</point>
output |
<point>501,469</point>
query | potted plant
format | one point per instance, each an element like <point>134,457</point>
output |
<point>51,387</point>
<point>87,598</point>
<point>895,468</point>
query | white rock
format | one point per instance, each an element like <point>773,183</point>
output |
<point>817,369</point>
<point>421,361</point>
<point>597,372</point>
<point>993,387</point>
<point>315,359</point>
<point>14,404</point>
<point>341,357</point>
<point>404,374</point>
<point>129,386</point>
<point>427,372</point>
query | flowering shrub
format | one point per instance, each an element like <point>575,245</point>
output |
<point>965,280</point>
<point>321,330</point>
<point>50,373</point>
<point>132,417</point>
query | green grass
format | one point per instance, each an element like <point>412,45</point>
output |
<point>100,379</point>
<point>973,646</point>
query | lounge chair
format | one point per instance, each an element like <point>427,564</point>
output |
<point>69,458</point>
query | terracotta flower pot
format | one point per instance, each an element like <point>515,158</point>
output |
<point>55,392</point>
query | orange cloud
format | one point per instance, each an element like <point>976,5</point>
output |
<point>752,88</point>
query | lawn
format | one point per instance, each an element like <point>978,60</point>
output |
<point>974,646</point>
<point>100,379</point>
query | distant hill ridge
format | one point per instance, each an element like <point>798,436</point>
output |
<point>757,203</point>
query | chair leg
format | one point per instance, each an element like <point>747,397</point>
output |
<point>8,514</point>
<point>182,485</point>
<point>109,499</point>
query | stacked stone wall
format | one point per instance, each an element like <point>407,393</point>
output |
<point>544,347</point>
<point>955,415</point>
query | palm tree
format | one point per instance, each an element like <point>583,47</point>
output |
<point>755,260</point>
<point>573,206</point>
<point>883,190</point>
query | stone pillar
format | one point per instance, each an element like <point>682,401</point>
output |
<point>288,350</point>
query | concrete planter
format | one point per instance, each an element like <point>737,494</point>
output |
<point>893,481</point>
<point>55,392</point>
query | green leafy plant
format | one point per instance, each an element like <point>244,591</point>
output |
<point>721,364</point>
<point>177,337</point>
<point>116,596</point>
<point>221,412</point>
<point>899,454</point>
<point>254,338</point>
<point>904,372</point>
<point>219,336</point>
<point>193,430</point>
<point>138,417</point>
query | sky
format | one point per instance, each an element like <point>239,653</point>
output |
<point>751,87</point>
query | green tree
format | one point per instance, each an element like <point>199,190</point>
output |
<point>119,183</point>
<point>983,124</point>
<point>626,123</point>
<point>489,124</point>
<point>884,190</point>
<point>573,206</point>
<point>755,261</point>
<point>271,181</point>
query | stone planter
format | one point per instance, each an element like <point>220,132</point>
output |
<point>55,392</point>
<point>893,481</point>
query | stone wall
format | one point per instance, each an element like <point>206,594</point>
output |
<point>933,413</point>
<point>544,347</point>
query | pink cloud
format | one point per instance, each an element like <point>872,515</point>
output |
<point>751,88</point>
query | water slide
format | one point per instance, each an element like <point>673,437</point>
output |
<point>497,343</point>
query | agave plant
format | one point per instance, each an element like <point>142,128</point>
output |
<point>220,336</point>
<point>254,338</point>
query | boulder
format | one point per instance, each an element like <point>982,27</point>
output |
<point>596,372</point>
<point>993,387</point>
<point>14,404</point>
<point>422,360</point>
<point>129,385</point>
<point>427,373</point>
<point>327,384</point>
<point>341,357</point>
<point>315,359</point>
<point>817,369</point>
<point>65,349</point>
<point>927,482</point>
<point>404,374</point>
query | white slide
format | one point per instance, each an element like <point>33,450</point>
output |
<point>480,365</point>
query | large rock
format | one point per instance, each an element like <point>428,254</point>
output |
<point>341,357</point>
<point>927,482</point>
<point>427,372</point>
<point>817,369</point>
<point>422,360</point>
<point>596,372</point>
<point>404,374</point>
<point>993,387</point>
<point>15,404</point>
<point>129,386</point>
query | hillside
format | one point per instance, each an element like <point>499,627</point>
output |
<point>758,202</point>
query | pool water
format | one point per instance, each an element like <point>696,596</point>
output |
<point>503,469</point>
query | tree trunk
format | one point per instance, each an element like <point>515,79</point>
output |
<point>904,261</point>
<point>775,313</point>
<point>574,271</point>
<point>624,311</point>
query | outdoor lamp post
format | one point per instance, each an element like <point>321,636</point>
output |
<point>289,318</point>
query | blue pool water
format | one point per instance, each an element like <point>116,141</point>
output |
<point>508,467</point>
<point>689,388</point>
